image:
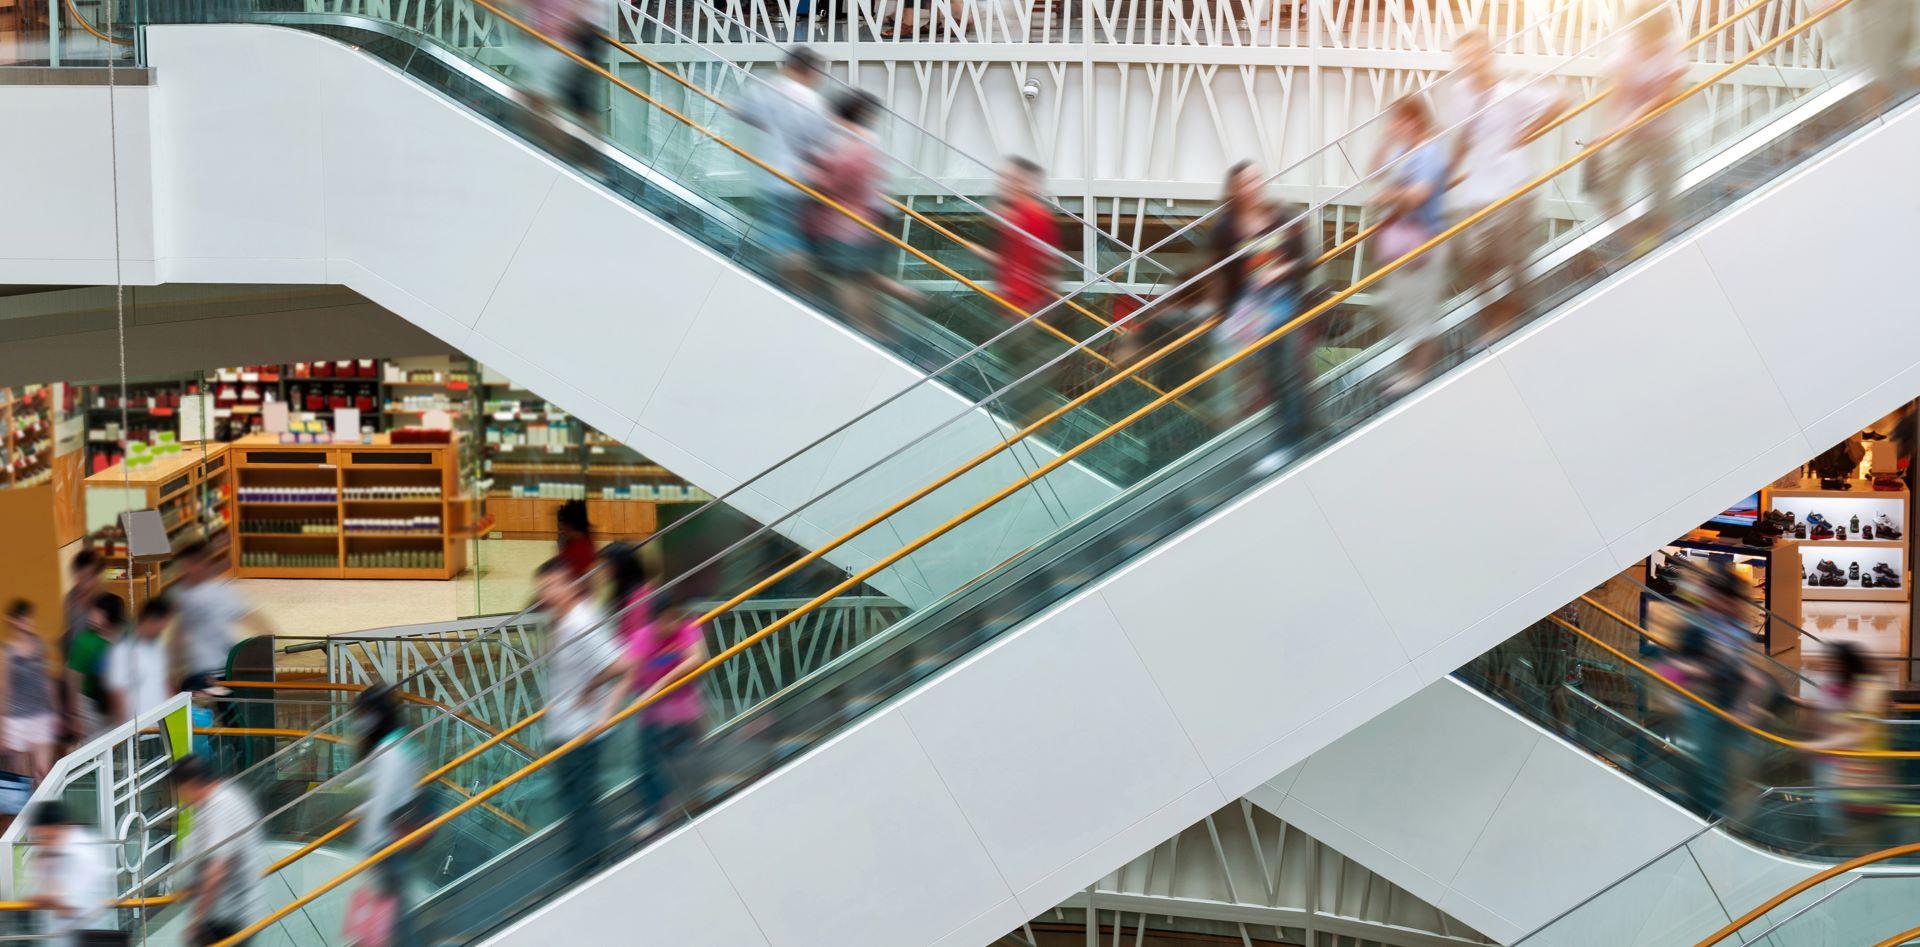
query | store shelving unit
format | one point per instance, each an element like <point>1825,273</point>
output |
<point>1839,507</point>
<point>192,489</point>
<point>26,423</point>
<point>537,457</point>
<point>397,511</point>
<point>152,405</point>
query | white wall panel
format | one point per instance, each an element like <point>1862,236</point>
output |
<point>1464,465</point>
<point>677,891</point>
<point>861,843</point>
<point>1280,596</point>
<point>59,169</point>
<point>1821,274</point>
<point>1075,717</point>
<point>1676,331</point>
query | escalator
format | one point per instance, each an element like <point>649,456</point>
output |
<point>993,787</point>
<point>1687,812</point>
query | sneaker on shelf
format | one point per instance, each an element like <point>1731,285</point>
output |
<point>1822,531</point>
<point>1828,572</point>
<point>1866,581</point>
<point>1853,571</point>
<point>1885,576</point>
<point>1885,527</point>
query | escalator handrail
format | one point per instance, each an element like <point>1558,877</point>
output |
<point>1790,743</point>
<point>1053,207</point>
<point>1143,363</point>
<point>408,696</point>
<point>816,196</point>
<point>706,667</point>
<point>1832,871</point>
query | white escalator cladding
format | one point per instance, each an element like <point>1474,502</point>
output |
<point>1324,597</point>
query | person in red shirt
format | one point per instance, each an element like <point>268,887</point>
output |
<point>576,538</point>
<point>1024,256</point>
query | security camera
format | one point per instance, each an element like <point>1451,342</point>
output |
<point>1030,89</point>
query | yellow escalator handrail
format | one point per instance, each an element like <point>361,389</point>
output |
<point>91,29</point>
<point>407,696</point>
<point>896,204</point>
<point>1718,711</point>
<point>1559,120</point>
<point>292,734</point>
<point>1733,927</point>
<point>1904,937</point>
<point>802,187</point>
<point>1065,457</point>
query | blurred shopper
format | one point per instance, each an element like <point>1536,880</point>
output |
<point>134,672</point>
<point>212,613</point>
<point>1026,245</point>
<point>575,536</point>
<point>76,610</point>
<point>73,874</point>
<point>672,726</point>
<point>1877,37</point>
<point>556,80</point>
<point>225,854</point>
<point>88,701</point>
<point>1246,219</point>
<point>581,655</point>
<point>792,119</point>
<point>1646,73</point>
<point>31,727</point>
<point>848,170</point>
<point>390,808</point>
<point>1850,706</point>
<point>1498,116</point>
<point>1409,207</point>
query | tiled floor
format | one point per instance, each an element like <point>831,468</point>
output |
<point>501,581</point>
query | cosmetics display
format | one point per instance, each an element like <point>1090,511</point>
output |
<point>393,510</point>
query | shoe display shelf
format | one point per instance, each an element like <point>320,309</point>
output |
<point>395,511</point>
<point>191,487</point>
<point>1839,507</point>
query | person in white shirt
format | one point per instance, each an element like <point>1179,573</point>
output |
<point>791,117</point>
<point>72,870</point>
<point>135,674</point>
<point>1646,72</point>
<point>582,662</point>
<point>211,615</point>
<point>225,853</point>
<point>1498,114</point>
<point>390,783</point>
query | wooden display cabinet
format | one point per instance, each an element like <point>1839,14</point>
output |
<point>192,489</point>
<point>1839,507</point>
<point>304,510</point>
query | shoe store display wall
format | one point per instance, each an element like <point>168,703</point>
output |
<point>1826,546</point>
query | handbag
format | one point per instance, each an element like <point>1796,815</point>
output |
<point>370,917</point>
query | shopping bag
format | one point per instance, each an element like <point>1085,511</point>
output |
<point>370,917</point>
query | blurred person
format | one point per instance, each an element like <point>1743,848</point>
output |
<point>1498,115</point>
<point>1849,705</point>
<point>225,854</point>
<point>85,569</point>
<point>557,81</point>
<point>1646,72</point>
<point>575,533</point>
<point>391,803</point>
<point>1025,242</point>
<point>134,672</point>
<point>581,657</point>
<point>73,873</point>
<point>1246,218</point>
<point>31,726</point>
<point>1700,666</point>
<point>1877,37</point>
<point>88,703</point>
<point>848,169</point>
<point>1409,203</point>
<point>671,728</point>
<point>792,118</point>
<point>212,613</point>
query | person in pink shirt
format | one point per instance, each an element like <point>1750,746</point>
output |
<point>659,651</point>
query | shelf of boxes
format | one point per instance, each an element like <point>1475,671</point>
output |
<point>26,436</point>
<point>1840,507</point>
<point>396,511</point>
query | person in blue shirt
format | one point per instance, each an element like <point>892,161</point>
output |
<point>1414,181</point>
